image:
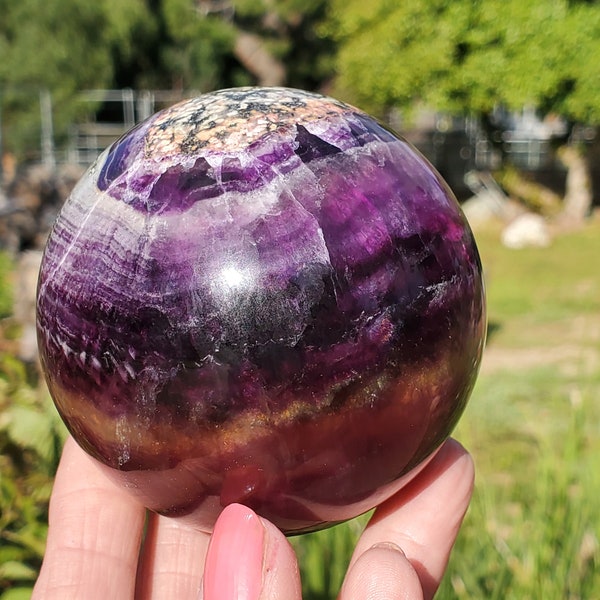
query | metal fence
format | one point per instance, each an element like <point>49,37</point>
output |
<point>122,110</point>
<point>111,113</point>
<point>456,145</point>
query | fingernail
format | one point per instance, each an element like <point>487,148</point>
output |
<point>233,568</point>
<point>388,546</point>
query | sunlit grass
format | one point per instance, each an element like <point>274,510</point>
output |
<point>532,530</point>
<point>542,285</point>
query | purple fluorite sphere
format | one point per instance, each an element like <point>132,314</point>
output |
<point>261,295</point>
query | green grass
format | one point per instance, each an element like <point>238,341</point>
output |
<point>535,287</point>
<point>532,530</point>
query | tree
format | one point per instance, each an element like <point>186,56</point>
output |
<point>63,46</point>
<point>295,49</point>
<point>195,47</point>
<point>67,46</point>
<point>464,56</point>
<point>34,58</point>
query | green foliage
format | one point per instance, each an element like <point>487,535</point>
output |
<point>18,593</point>
<point>295,33</point>
<point>59,46</point>
<point>324,556</point>
<point>6,296</point>
<point>458,56</point>
<point>390,52</point>
<point>197,46</point>
<point>132,31</point>
<point>129,24</point>
<point>469,56</point>
<point>541,289</point>
<point>533,527</point>
<point>31,437</point>
<point>68,46</point>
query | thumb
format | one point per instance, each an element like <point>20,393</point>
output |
<point>249,559</point>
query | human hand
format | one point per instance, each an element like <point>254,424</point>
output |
<point>95,537</point>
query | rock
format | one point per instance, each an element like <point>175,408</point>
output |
<point>33,200</point>
<point>480,209</point>
<point>526,230</point>
<point>27,270</point>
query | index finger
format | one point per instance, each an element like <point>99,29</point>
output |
<point>94,534</point>
<point>424,518</point>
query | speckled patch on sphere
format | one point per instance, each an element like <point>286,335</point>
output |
<point>231,120</point>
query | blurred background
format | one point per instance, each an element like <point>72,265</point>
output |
<point>503,96</point>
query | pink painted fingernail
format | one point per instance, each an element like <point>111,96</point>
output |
<point>233,568</point>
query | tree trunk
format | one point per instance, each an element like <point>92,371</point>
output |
<point>251,52</point>
<point>578,199</point>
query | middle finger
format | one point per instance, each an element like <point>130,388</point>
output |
<point>172,561</point>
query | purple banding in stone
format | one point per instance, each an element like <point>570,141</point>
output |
<point>173,186</point>
<point>197,285</point>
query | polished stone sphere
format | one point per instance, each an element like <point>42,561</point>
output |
<point>263,296</point>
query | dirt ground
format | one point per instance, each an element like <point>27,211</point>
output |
<point>578,352</point>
